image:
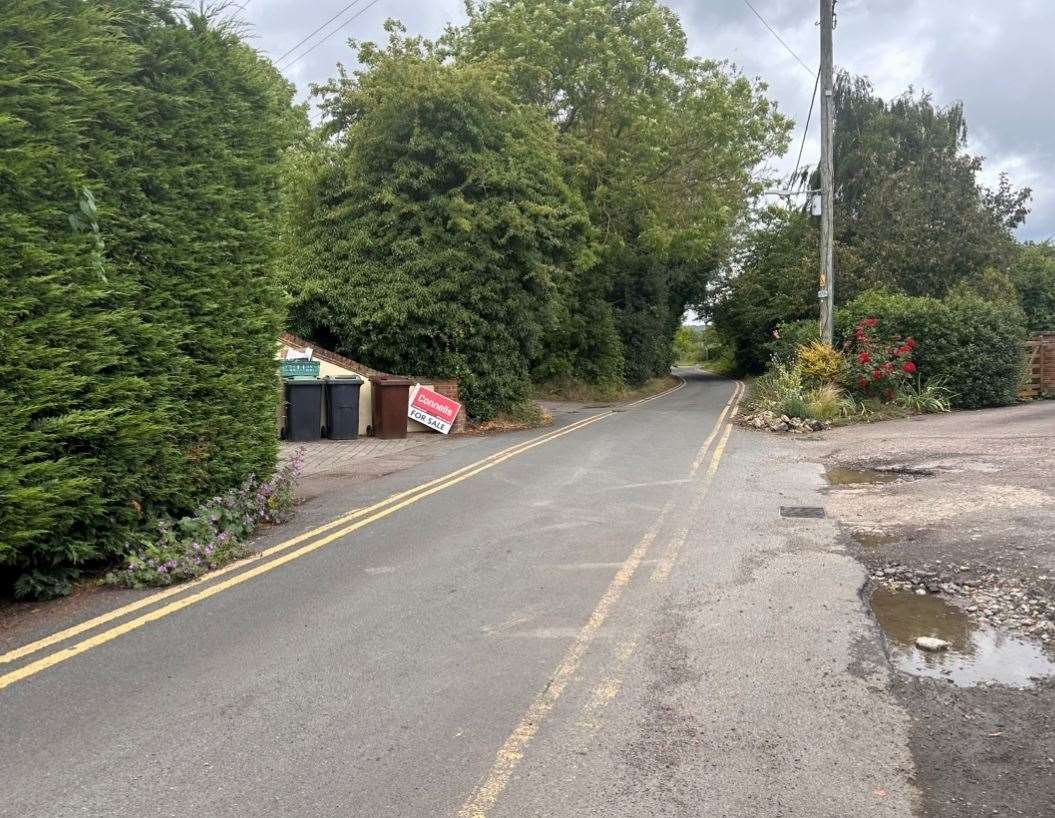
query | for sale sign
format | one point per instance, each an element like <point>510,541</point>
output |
<point>433,409</point>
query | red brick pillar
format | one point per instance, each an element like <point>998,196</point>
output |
<point>449,389</point>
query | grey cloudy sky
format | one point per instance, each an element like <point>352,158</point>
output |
<point>994,55</point>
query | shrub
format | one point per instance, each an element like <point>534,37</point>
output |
<point>821,364</point>
<point>776,282</point>
<point>973,346</point>
<point>879,363</point>
<point>215,535</point>
<point>926,398</point>
<point>1033,274</point>
<point>783,391</point>
<point>789,336</point>
<point>140,310</point>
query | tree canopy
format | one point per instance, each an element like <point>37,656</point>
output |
<point>434,233</point>
<point>547,186</point>
<point>662,145</point>
<point>911,216</point>
<point>908,200</point>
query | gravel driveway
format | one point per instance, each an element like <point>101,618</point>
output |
<point>954,516</point>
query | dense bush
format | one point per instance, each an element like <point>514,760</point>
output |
<point>216,534</point>
<point>1033,275</point>
<point>972,345</point>
<point>775,283</point>
<point>436,233</point>
<point>138,335</point>
<point>790,335</point>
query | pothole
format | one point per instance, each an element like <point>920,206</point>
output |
<point>846,476</point>
<point>977,654</point>
<point>863,476</point>
<point>873,539</point>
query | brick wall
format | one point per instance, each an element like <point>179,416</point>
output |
<point>448,387</point>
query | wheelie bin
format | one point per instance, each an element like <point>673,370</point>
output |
<point>342,408</point>
<point>303,410</point>
<point>391,397</point>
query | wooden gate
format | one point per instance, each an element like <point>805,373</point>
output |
<point>1039,377</point>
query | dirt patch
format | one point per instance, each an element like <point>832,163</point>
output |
<point>960,545</point>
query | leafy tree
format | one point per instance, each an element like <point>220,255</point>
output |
<point>432,230</point>
<point>1033,275</point>
<point>661,145</point>
<point>138,155</point>
<point>773,280</point>
<point>908,201</point>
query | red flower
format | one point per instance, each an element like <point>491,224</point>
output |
<point>909,367</point>
<point>911,343</point>
<point>862,382</point>
<point>864,358</point>
<point>878,374</point>
<point>905,350</point>
<point>871,322</point>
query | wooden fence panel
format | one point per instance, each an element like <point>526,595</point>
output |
<point>1039,376</point>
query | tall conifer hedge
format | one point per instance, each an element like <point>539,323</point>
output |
<point>137,337</point>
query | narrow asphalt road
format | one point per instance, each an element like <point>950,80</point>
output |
<point>613,620</point>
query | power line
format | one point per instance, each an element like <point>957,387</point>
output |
<point>316,31</point>
<point>304,54</point>
<point>806,130</point>
<point>780,39</point>
<point>238,9</point>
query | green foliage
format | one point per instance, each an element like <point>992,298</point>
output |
<point>972,345</point>
<point>784,390</point>
<point>688,345</point>
<point>213,536</point>
<point>435,233</point>
<point>138,182</point>
<point>821,364</point>
<point>1033,275</point>
<point>925,398</point>
<point>789,336</point>
<point>776,283</point>
<point>908,201</point>
<point>661,146</point>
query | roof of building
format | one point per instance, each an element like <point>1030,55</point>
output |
<point>296,342</point>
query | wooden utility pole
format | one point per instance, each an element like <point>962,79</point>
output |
<point>826,293</point>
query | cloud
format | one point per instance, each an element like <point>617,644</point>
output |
<point>995,57</point>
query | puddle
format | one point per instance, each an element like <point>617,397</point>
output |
<point>844,476</point>
<point>977,653</point>
<point>873,539</point>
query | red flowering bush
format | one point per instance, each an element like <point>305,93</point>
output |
<point>879,366</point>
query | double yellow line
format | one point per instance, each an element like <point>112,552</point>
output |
<point>345,524</point>
<point>484,797</point>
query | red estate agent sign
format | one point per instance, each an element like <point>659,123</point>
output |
<point>433,409</point>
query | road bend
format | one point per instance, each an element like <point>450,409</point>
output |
<point>606,618</point>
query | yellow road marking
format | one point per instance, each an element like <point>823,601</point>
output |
<point>132,607</point>
<point>124,610</point>
<point>670,556</point>
<point>127,627</point>
<point>734,399</point>
<point>486,795</point>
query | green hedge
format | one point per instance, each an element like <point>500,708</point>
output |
<point>974,344</point>
<point>436,234</point>
<point>137,368</point>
